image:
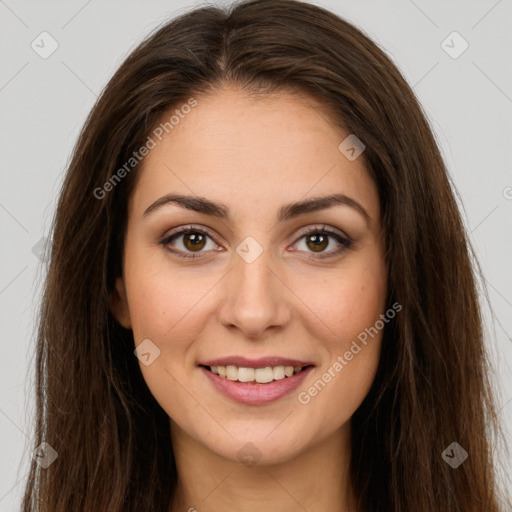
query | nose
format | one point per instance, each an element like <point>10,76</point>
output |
<point>256,297</point>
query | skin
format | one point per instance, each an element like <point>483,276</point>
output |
<point>255,155</point>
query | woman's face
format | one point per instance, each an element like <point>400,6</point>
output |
<point>258,286</point>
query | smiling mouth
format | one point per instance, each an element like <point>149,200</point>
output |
<point>263,375</point>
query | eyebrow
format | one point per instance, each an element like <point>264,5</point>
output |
<point>287,212</point>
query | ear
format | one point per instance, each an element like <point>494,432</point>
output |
<point>119,304</point>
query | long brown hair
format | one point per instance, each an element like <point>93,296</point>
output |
<point>432,385</point>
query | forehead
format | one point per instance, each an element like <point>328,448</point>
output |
<point>253,152</point>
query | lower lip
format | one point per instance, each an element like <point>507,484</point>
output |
<point>254,393</point>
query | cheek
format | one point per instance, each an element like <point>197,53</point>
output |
<point>350,300</point>
<point>350,305</point>
<point>161,300</point>
<point>166,307</point>
<point>339,389</point>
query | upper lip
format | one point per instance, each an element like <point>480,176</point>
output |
<point>262,362</point>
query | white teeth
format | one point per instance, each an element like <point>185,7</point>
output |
<point>259,375</point>
<point>278,372</point>
<point>263,375</point>
<point>245,374</point>
<point>232,372</point>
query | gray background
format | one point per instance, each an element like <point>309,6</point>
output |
<point>43,103</point>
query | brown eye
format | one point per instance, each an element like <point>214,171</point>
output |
<point>194,240</point>
<point>318,242</point>
<point>188,242</point>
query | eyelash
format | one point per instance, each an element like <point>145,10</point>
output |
<point>346,243</point>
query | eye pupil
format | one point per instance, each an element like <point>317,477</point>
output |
<point>195,239</point>
<point>318,244</point>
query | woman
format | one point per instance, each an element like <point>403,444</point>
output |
<point>260,288</point>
